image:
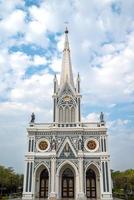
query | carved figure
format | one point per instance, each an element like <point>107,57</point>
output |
<point>101,117</point>
<point>80,143</point>
<point>32,118</point>
<point>53,144</point>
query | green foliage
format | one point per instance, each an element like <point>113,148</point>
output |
<point>123,180</point>
<point>10,182</point>
<point>123,183</point>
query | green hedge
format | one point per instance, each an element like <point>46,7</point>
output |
<point>122,196</point>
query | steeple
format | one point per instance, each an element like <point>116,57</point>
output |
<point>66,71</point>
<point>66,98</point>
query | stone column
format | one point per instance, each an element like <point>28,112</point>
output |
<point>53,177</point>
<point>27,189</point>
<point>81,194</point>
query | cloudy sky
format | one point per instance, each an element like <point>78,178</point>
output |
<point>101,35</point>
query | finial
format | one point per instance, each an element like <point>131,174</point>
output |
<point>78,77</point>
<point>55,77</point>
<point>66,31</point>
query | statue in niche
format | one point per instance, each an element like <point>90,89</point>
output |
<point>32,118</point>
<point>66,150</point>
<point>66,147</point>
<point>80,143</point>
<point>53,143</point>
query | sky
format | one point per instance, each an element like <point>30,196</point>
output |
<point>101,35</point>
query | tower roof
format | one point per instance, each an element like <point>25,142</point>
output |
<point>66,70</point>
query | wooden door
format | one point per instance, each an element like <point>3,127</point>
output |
<point>44,184</point>
<point>68,184</point>
<point>90,184</point>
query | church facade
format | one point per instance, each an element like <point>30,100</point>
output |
<point>67,158</point>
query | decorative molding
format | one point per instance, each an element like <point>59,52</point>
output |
<point>96,143</point>
<point>66,140</point>
<point>38,143</point>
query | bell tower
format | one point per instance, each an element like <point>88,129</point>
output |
<point>66,97</point>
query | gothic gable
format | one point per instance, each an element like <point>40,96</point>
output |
<point>67,96</point>
<point>66,89</point>
<point>67,150</point>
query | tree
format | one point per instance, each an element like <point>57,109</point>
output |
<point>123,181</point>
<point>10,182</point>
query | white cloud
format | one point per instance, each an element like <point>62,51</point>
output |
<point>91,117</point>
<point>120,140</point>
<point>56,64</point>
<point>13,23</point>
<point>35,35</point>
<point>6,6</point>
<point>39,60</point>
<point>113,81</point>
<point>60,43</point>
<point>31,91</point>
<point>117,124</point>
<point>19,62</point>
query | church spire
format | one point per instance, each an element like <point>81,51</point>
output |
<point>66,71</point>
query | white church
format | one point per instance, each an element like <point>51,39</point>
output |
<point>68,158</point>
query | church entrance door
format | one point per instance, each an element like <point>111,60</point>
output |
<point>67,184</point>
<point>90,184</point>
<point>44,177</point>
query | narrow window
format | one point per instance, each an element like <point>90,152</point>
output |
<point>104,183</point>
<point>105,145</point>
<point>32,145</point>
<point>107,177</point>
<point>27,176</point>
<point>29,145</point>
<point>102,144</point>
<point>30,184</point>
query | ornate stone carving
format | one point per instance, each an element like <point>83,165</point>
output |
<point>53,144</point>
<point>80,143</point>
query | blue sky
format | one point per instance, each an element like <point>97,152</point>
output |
<point>101,35</point>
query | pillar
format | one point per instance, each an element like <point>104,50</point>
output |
<point>81,194</point>
<point>53,177</point>
<point>28,180</point>
<point>106,181</point>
